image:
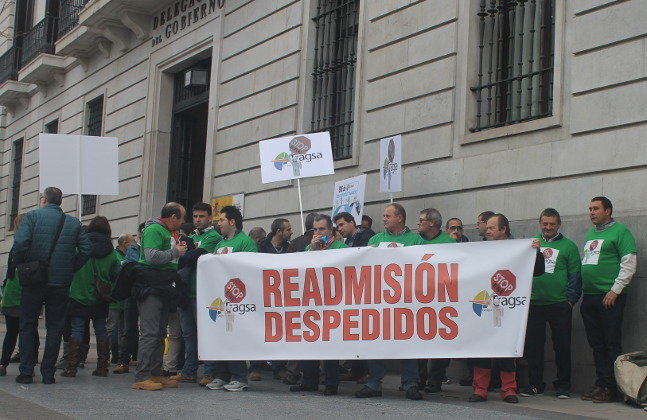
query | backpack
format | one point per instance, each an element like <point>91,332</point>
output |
<point>123,287</point>
<point>631,376</point>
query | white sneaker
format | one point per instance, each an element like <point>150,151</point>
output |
<point>216,384</point>
<point>236,386</point>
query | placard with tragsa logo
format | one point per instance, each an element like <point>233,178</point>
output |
<point>293,157</point>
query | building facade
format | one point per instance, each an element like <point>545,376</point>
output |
<point>504,106</point>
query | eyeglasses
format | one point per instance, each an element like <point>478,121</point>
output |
<point>455,228</point>
<point>423,220</point>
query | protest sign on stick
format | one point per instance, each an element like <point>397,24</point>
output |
<point>391,165</point>
<point>348,196</point>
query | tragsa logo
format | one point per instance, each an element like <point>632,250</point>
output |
<point>216,308</point>
<point>481,303</point>
<point>299,147</point>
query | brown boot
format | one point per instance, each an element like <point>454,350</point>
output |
<point>72,358</point>
<point>103,354</point>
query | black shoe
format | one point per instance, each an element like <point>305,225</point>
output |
<point>49,380</point>
<point>330,390</point>
<point>465,382</point>
<point>367,392</point>
<point>476,398</point>
<point>168,373</point>
<point>531,391</point>
<point>291,379</point>
<point>24,379</point>
<point>413,393</point>
<point>15,358</point>
<point>301,388</point>
<point>562,393</point>
<point>430,389</point>
<point>512,399</point>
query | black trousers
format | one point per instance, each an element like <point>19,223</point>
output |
<point>558,316</point>
<point>603,330</point>
<point>10,338</point>
<point>310,369</point>
<point>435,373</point>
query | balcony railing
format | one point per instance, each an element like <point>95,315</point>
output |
<point>9,65</point>
<point>69,15</point>
<point>40,39</point>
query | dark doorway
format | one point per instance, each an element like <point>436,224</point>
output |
<point>188,139</point>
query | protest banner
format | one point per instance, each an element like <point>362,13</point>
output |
<point>427,301</point>
<point>391,164</point>
<point>348,196</point>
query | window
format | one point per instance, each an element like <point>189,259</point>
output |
<point>93,128</point>
<point>15,181</point>
<point>335,55</point>
<point>52,127</point>
<point>515,62</point>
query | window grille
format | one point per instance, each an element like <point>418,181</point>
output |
<point>95,121</point>
<point>335,55</point>
<point>515,62</point>
<point>15,180</point>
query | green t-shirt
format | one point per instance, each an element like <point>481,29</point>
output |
<point>602,254</point>
<point>208,240</point>
<point>561,257</point>
<point>334,245</point>
<point>385,239</point>
<point>156,236</point>
<point>82,289</point>
<point>239,243</point>
<point>442,238</point>
<point>11,293</point>
<point>118,305</point>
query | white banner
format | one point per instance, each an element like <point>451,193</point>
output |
<point>391,164</point>
<point>294,157</point>
<point>348,196</point>
<point>79,164</point>
<point>427,301</point>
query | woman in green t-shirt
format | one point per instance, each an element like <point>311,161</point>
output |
<point>85,304</point>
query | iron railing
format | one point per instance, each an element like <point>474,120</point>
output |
<point>15,181</point>
<point>9,65</point>
<point>95,121</point>
<point>515,62</point>
<point>40,39</point>
<point>335,55</point>
<point>69,15</point>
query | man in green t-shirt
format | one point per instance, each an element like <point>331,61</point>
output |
<point>206,239</point>
<point>159,251</point>
<point>553,295</point>
<point>396,234</point>
<point>432,372</point>
<point>608,265</point>
<point>233,240</point>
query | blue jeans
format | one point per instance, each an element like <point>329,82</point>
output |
<point>98,323</point>
<point>236,369</point>
<point>377,370</point>
<point>56,301</point>
<point>188,322</point>
<point>603,330</point>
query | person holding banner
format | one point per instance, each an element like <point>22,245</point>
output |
<point>322,239</point>
<point>553,295</point>
<point>397,234</point>
<point>498,228</point>
<point>233,240</point>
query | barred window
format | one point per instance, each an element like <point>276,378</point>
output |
<point>95,121</point>
<point>15,181</point>
<point>515,62</point>
<point>335,55</point>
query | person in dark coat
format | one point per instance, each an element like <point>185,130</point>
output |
<point>299,244</point>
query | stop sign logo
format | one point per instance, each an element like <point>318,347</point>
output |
<point>300,145</point>
<point>503,282</point>
<point>235,290</point>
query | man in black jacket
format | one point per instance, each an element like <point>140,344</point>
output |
<point>278,241</point>
<point>300,243</point>
<point>355,237</point>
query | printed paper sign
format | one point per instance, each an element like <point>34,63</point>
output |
<point>348,196</point>
<point>79,164</point>
<point>236,200</point>
<point>391,164</point>
<point>294,157</point>
<point>427,301</point>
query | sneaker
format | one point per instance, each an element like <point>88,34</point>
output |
<point>236,386</point>
<point>216,384</point>
<point>121,368</point>
<point>531,391</point>
<point>512,399</point>
<point>367,392</point>
<point>205,380</point>
<point>181,378</point>
<point>605,395</point>
<point>147,385</point>
<point>413,393</point>
<point>562,394</point>
<point>255,375</point>
<point>588,395</point>
<point>476,398</point>
<point>446,381</point>
<point>166,382</point>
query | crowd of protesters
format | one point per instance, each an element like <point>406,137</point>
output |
<point>74,272</point>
